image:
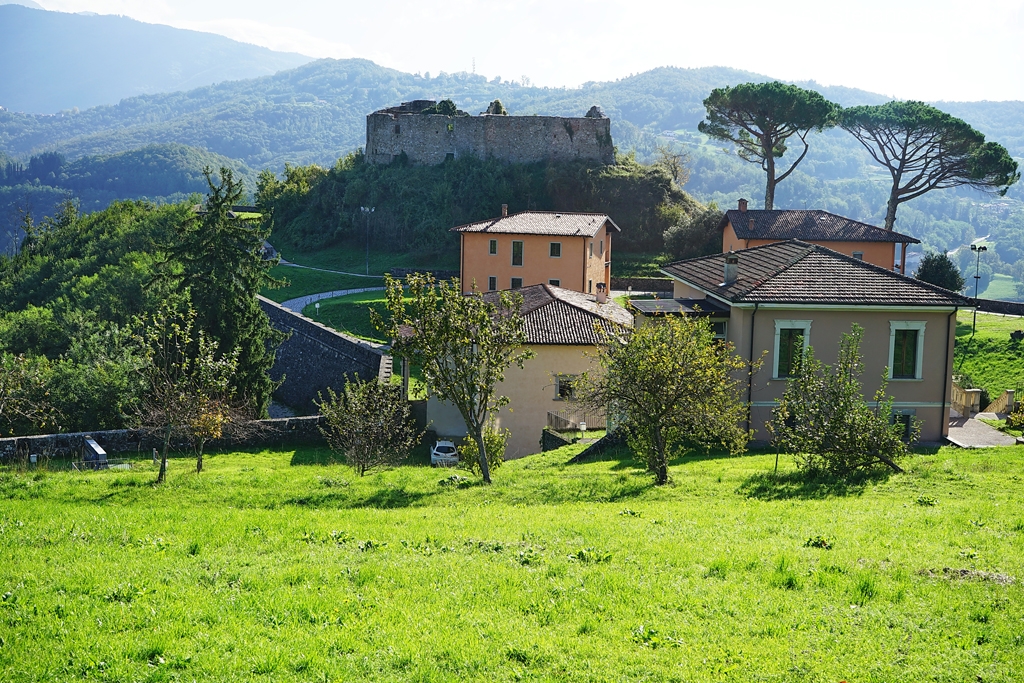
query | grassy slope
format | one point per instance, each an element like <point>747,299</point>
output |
<point>265,569</point>
<point>302,281</point>
<point>992,360</point>
<point>1001,287</point>
<point>351,314</point>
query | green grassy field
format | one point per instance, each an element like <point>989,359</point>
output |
<point>269,566</point>
<point>352,258</point>
<point>992,359</point>
<point>1001,287</point>
<point>302,281</point>
<point>351,314</point>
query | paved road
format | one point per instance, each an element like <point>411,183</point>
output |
<point>972,433</point>
<point>296,305</point>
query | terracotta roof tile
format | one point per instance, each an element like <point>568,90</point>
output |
<point>800,273</point>
<point>553,315</point>
<point>542,223</point>
<point>815,226</point>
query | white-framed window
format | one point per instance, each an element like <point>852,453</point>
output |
<point>492,283</point>
<point>720,328</point>
<point>591,248</point>
<point>791,340</point>
<point>555,250</point>
<point>859,255</point>
<point>906,349</point>
<point>600,248</point>
<point>906,417</point>
<point>517,283</point>
<point>590,286</point>
<point>492,247</point>
<point>517,253</point>
<point>555,283</point>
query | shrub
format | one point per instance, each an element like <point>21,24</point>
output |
<point>823,421</point>
<point>494,442</point>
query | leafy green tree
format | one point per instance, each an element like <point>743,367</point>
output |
<point>495,440</point>
<point>697,235</point>
<point>759,118</point>
<point>823,420</point>
<point>462,344</point>
<point>188,382</point>
<point>369,423</point>
<point>674,387</point>
<point>925,149</point>
<point>219,258</point>
<point>938,269</point>
<point>24,399</point>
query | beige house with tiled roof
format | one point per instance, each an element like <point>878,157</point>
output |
<point>778,298</point>
<point>567,250</point>
<point>561,328</point>
<point>743,228</point>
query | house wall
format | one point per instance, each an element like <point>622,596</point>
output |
<point>574,269</point>
<point>531,392</point>
<point>878,253</point>
<point>428,139</point>
<point>927,396</point>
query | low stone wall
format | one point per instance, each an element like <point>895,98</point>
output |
<point>1004,307</point>
<point>281,433</point>
<point>642,284</point>
<point>315,357</point>
<point>550,440</point>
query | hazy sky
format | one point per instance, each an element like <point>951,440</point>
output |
<point>934,50</point>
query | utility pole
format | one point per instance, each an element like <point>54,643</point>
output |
<point>367,210</point>
<point>979,249</point>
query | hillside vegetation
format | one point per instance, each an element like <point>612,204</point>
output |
<point>272,566</point>
<point>55,61</point>
<point>993,360</point>
<point>415,206</point>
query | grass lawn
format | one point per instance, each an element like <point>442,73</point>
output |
<point>351,314</point>
<point>269,566</point>
<point>626,264</point>
<point>303,281</point>
<point>993,360</point>
<point>352,258</point>
<point>1001,287</point>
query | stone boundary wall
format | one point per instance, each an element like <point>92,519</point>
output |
<point>315,357</point>
<point>1004,307</point>
<point>642,284</point>
<point>282,432</point>
<point>430,139</point>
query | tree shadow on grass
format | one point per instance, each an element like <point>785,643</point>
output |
<point>796,484</point>
<point>390,498</point>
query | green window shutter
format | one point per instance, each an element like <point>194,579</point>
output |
<point>791,348</point>
<point>904,361</point>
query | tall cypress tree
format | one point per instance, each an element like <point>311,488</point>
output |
<point>219,258</point>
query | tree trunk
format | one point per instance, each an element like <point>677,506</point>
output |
<point>769,186</point>
<point>199,458</point>
<point>890,210</point>
<point>661,471</point>
<point>485,469</point>
<point>163,457</point>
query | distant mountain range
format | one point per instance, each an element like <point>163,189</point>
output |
<point>54,61</point>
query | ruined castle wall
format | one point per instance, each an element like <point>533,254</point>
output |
<point>429,139</point>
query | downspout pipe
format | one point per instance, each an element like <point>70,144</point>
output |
<point>947,383</point>
<point>750,374</point>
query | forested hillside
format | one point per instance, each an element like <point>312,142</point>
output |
<point>316,114</point>
<point>160,173</point>
<point>54,61</point>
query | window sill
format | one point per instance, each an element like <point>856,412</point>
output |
<point>906,379</point>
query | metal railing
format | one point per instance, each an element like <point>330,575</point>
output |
<point>109,464</point>
<point>570,419</point>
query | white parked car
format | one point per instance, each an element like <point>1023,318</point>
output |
<point>444,454</point>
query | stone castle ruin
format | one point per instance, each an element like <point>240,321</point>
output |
<point>428,138</point>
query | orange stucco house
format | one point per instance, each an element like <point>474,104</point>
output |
<point>567,250</point>
<point>743,228</point>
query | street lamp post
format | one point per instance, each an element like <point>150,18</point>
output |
<point>367,210</point>
<point>979,249</point>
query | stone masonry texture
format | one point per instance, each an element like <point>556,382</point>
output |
<point>430,139</point>
<point>315,357</point>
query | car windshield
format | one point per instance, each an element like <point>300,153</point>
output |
<point>446,449</point>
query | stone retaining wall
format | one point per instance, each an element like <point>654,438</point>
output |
<point>1004,307</point>
<point>281,433</point>
<point>315,357</point>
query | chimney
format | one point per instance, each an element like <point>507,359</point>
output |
<point>732,262</point>
<point>743,205</point>
<point>602,296</point>
<point>504,210</point>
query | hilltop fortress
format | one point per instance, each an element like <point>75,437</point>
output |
<point>428,138</point>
